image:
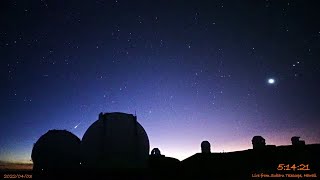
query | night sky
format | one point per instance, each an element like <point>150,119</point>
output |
<point>213,70</point>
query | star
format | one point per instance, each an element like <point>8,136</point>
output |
<point>271,81</point>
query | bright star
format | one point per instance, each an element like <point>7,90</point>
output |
<point>271,81</point>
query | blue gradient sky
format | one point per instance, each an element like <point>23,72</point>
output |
<point>191,71</point>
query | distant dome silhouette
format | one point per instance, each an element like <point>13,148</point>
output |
<point>258,142</point>
<point>56,149</point>
<point>205,147</point>
<point>116,140</point>
<point>155,152</point>
<point>161,164</point>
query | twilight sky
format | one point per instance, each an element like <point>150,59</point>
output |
<point>191,70</point>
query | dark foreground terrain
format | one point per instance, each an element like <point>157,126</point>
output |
<point>282,162</point>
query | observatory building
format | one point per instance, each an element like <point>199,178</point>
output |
<point>160,164</point>
<point>116,145</point>
<point>258,142</point>
<point>115,140</point>
<point>156,152</point>
<point>56,149</point>
<point>297,142</point>
<point>205,147</point>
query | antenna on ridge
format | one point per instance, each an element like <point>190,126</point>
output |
<point>135,113</point>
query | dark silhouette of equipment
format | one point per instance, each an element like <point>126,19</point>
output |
<point>162,167</point>
<point>205,147</point>
<point>155,152</point>
<point>258,142</point>
<point>297,142</point>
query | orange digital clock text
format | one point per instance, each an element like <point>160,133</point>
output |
<point>293,167</point>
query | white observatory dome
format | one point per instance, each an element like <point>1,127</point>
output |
<point>116,140</point>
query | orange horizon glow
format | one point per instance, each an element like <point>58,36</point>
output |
<point>15,166</point>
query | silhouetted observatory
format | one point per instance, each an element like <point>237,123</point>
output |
<point>156,152</point>
<point>115,140</point>
<point>56,149</point>
<point>205,147</point>
<point>258,142</point>
<point>160,164</point>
